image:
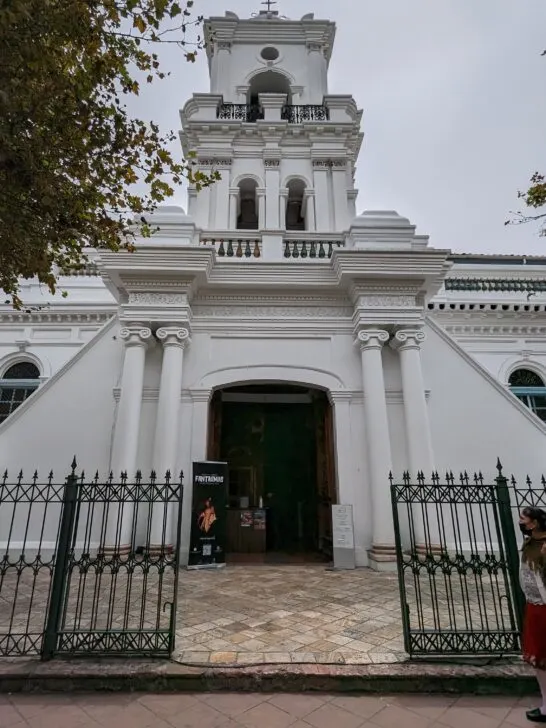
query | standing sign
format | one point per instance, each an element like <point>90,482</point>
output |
<point>208,525</point>
<point>343,537</point>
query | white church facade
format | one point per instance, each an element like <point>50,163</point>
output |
<point>313,349</point>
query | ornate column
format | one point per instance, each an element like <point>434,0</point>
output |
<point>174,340</point>
<point>309,203</point>
<point>125,441</point>
<point>382,554</point>
<point>233,207</point>
<point>408,343</point>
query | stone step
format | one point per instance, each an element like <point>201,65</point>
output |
<point>502,677</point>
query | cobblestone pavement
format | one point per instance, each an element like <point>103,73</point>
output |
<point>224,710</point>
<point>280,614</point>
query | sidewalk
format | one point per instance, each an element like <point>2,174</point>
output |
<point>221,710</point>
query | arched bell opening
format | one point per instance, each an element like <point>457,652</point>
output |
<point>268,82</point>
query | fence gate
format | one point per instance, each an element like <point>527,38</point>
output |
<point>89,567</point>
<point>457,565</point>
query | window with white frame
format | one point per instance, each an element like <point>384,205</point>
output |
<point>17,383</point>
<point>529,387</point>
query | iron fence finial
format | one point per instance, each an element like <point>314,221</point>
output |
<point>74,465</point>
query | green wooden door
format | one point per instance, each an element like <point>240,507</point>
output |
<point>290,477</point>
<point>279,442</point>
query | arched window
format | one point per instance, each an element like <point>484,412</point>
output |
<point>17,383</point>
<point>529,387</point>
<point>247,218</point>
<point>295,215</point>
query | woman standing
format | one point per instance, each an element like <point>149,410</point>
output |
<point>533,583</point>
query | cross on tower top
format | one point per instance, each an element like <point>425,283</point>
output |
<point>269,3</point>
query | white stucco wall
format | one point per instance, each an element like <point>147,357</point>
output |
<point>72,414</point>
<point>474,420</point>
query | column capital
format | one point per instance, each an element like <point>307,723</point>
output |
<point>136,335</point>
<point>308,192</point>
<point>173,336</point>
<point>371,339</point>
<point>260,191</point>
<point>234,191</point>
<point>405,339</point>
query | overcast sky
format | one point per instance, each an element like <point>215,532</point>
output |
<point>454,100</point>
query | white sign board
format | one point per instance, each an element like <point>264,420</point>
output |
<point>343,537</point>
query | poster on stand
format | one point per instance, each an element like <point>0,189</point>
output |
<point>208,525</point>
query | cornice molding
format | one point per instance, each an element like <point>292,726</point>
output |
<point>478,308</point>
<point>494,330</point>
<point>256,310</point>
<point>56,316</point>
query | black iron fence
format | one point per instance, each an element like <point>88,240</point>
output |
<point>295,114</point>
<point>249,113</point>
<point>458,562</point>
<point>89,566</point>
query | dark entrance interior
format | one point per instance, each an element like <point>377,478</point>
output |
<point>277,440</point>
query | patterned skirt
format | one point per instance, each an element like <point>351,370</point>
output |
<point>534,636</point>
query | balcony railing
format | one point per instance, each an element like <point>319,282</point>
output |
<point>314,249</point>
<point>234,247</point>
<point>248,113</point>
<point>300,114</point>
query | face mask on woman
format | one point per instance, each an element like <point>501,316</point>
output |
<point>525,530</point>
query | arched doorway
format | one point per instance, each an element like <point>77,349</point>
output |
<point>278,442</point>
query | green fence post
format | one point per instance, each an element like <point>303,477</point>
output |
<point>406,628</point>
<point>510,543</point>
<point>60,572</point>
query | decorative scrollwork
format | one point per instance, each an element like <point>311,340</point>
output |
<point>173,336</point>
<point>135,335</point>
<point>248,113</point>
<point>408,339</point>
<point>372,338</point>
<point>295,114</point>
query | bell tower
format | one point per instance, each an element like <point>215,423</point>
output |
<point>285,148</point>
